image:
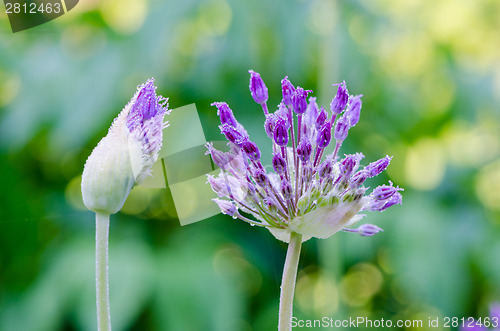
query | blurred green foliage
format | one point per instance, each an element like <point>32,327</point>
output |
<point>430,75</point>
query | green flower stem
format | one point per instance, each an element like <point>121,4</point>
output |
<point>101,271</point>
<point>288,282</point>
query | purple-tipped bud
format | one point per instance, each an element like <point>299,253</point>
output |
<point>325,169</point>
<point>146,106</point>
<point>367,230</point>
<point>304,149</point>
<point>221,159</point>
<point>218,185</point>
<point>381,205</point>
<point>341,129</point>
<point>283,114</point>
<point>258,88</point>
<point>286,189</point>
<point>260,177</point>
<point>324,135</point>
<point>375,168</point>
<point>288,90</point>
<point>299,100</point>
<point>396,199</point>
<point>312,108</point>
<point>347,165</point>
<point>358,179</point>
<point>279,164</point>
<point>145,119</point>
<point>232,134</point>
<point>251,150</point>
<point>225,113</point>
<point>281,133</point>
<point>320,120</point>
<point>340,100</point>
<point>269,125</point>
<point>354,110</point>
<point>384,192</point>
<point>226,207</point>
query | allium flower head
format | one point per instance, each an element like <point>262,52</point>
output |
<point>124,157</point>
<point>308,192</point>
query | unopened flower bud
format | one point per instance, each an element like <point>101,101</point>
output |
<point>375,168</point>
<point>269,125</point>
<point>251,150</point>
<point>340,100</point>
<point>384,192</point>
<point>286,189</point>
<point>280,133</point>
<point>353,111</point>
<point>312,108</point>
<point>124,157</point>
<point>260,177</point>
<point>257,88</point>
<point>288,90</point>
<point>220,158</point>
<point>325,169</point>
<point>341,129</point>
<point>347,165</point>
<point>226,206</point>
<point>368,230</point>
<point>279,164</point>
<point>396,199</point>
<point>358,179</point>
<point>304,149</point>
<point>299,100</point>
<point>218,185</point>
<point>232,134</point>
<point>283,114</point>
<point>320,120</point>
<point>225,113</point>
<point>324,135</point>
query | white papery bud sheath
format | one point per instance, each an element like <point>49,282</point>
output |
<point>126,154</point>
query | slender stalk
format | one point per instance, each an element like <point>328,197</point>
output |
<point>101,271</point>
<point>288,282</point>
<point>296,158</point>
<point>264,108</point>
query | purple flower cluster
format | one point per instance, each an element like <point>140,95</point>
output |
<point>309,193</point>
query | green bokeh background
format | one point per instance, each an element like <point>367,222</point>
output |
<point>430,75</point>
